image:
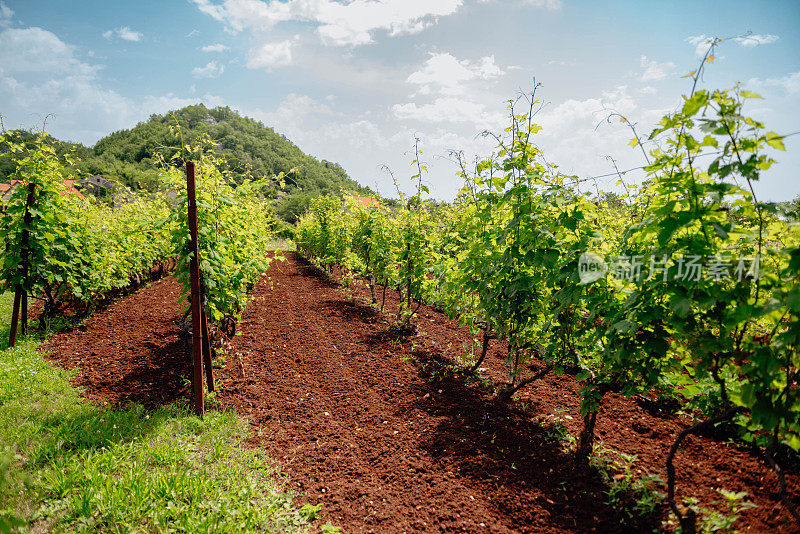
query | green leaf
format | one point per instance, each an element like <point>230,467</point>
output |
<point>775,141</point>
<point>625,326</point>
<point>720,230</point>
<point>692,105</point>
<point>681,306</point>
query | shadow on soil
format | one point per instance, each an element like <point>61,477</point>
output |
<point>309,270</point>
<point>157,379</point>
<point>162,381</point>
<point>517,461</point>
<point>519,464</point>
<point>351,311</point>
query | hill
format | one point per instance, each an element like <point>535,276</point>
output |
<point>250,148</point>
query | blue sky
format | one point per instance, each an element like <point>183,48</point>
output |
<point>355,81</point>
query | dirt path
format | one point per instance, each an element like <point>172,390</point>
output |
<point>365,423</point>
<point>337,400</point>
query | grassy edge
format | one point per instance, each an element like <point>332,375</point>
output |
<point>70,466</point>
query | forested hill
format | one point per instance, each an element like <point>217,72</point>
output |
<point>246,143</point>
<point>249,147</point>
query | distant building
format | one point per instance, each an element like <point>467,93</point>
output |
<point>101,187</point>
<point>96,185</point>
<point>122,196</point>
<point>6,190</point>
<point>367,202</point>
<point>71,191</point>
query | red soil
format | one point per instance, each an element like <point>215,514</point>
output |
<point>131,350</point>
<point>366,423</point>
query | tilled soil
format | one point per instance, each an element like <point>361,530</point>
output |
<point>368,422</point>
<point>131,351</point>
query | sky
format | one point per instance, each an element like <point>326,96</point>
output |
<point>357,81</point>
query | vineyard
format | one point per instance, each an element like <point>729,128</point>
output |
<point>535,356</point>
<point>699,305</point>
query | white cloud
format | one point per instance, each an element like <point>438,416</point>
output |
<point>653,70</point>
<point>40,75</point>
<point>487,68</point>
<point>127,34</point>
<point>339,24</point>
<point>71,99</point>
<point>749,41</point>
<point>457,93</point>
<point>270,55</point>
<point>292,111</point>
<point>361,143</point>
<point>217,12</point>
<point>353,23</point>
<point>5,15</point>
<point>124,33</point>
<point>588,111</point>
<point>358,143</point>
<point>701,43</point>
<point>448,74</point>
<point>452,110</point>
<point>218,47</point>
<point>547,4</point>
<point>575,134</point>
<point>168,102</point>
<point>789,83</point>
<point>212,69</point>
<point>37,50</point>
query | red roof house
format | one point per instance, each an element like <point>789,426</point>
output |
<point>6,190</point>
<point>367,202</point>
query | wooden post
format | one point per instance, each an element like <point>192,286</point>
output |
<point>24,312</point>
<point>20,295</point>
<point>12,336</point>
<point>194,278</point>
<point>207,350</point>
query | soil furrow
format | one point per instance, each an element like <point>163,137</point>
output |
<point>339,400</point>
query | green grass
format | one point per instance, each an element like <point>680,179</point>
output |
<point>68,466</point>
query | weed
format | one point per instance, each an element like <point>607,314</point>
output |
<point>632,494</point>
<point>466,359</point>
<point>221,353</point>
<point>558,433</point>
<point>713,520</point>
<point>348,279</point>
